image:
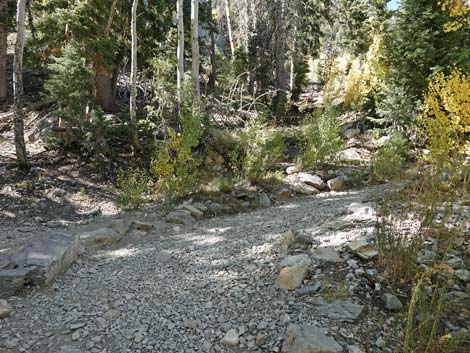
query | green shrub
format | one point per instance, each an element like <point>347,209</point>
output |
<point>259,150</point>
<point>388,163</point>
<point>132,185</point>
<point>320,138</point>
<point>176,164</point>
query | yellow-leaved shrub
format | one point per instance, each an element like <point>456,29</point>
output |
<point>446,117</point>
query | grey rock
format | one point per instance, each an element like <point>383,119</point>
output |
<point>12,280</point>
<point>350,133</point>
<point>231,338</point>
<point>194,211</point>
<point>338,183</point>
<point>391,301</point>
<point>354,349</point>
<point>463,275</point>
<point>302,188</point>
<point>311,289</point>
<point>180,217</point>
<point>143,226</point>
<point>292,170</point>
<point>282,194</point>
<point>341,310</point>
<point>455,262</point>
<point>264,200</point>
<point>326,254</point>
<point>49,255</point>
<point>363,249</point>
<point>5,309</point>
<point>312,180</point>
<point>309,339</point>
<point>300,260</point>
<point>100,237</point>
<point>380,342</point>
<point>69,349</point>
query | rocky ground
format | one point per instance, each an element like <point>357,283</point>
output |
<point>215,287</point>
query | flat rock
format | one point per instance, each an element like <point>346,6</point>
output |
<point>309,339</point>
<point>463,275</point>
<point>292,170</point>
<point>99,237</point>
<point>302,188</point>
<point>363,249</point>
<point>230,339</point>
<point>5,309</point>
<point>300,260</point>
<point>326,254</point>
<point>12,280</point>
<point>180,217</point>
<point>311,289</point>
<point>338,183</point>
<point>312,180</point>
<point>194,211</point>
<point>341,310</point>
<point>49,255</point>
<point>143,226</point>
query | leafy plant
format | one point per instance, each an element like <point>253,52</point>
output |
<point>446,117</point>
<point>259,150</point>
<point>132,185</point>
<point>388,162</point>
<point>320,138</point>
<point>175,164</point>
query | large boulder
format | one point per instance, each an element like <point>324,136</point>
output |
<point>309,339</point>
<point>180,217</point>
<point>47,257</point>
<point>338,183</point>
<point>341,310</point>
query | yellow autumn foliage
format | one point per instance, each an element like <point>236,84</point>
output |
<point>446,117</point>
<point>459,11</point>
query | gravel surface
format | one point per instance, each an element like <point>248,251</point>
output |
<point>182,289</point>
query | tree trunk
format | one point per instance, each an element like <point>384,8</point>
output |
<point>213,58</point>
<point>229,27</point>
<point>20,146</point>
<point>104,91</point>
<point>180,54</point>
<point>195,54</point>
<point>133,101</point>
<point>3,51</point>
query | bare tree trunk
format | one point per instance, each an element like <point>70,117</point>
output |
<point>195,54</point>
<point>3,51</point>
<point>133,101</point>
<point>20,146</point>
<point>180,54</point>
<point>229,27</point>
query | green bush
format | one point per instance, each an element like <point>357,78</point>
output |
<point>320,138</point>
<point>259,150</point>
<point>132,185</point>
<point>176,165</point>
<point>388,163</point>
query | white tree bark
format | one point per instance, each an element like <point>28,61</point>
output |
<point>133,98</point>
<point>180,53</point>
<point>195,53</point>
<point>229,27</point>
<point>3,51</point>
<point>20,146</point>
